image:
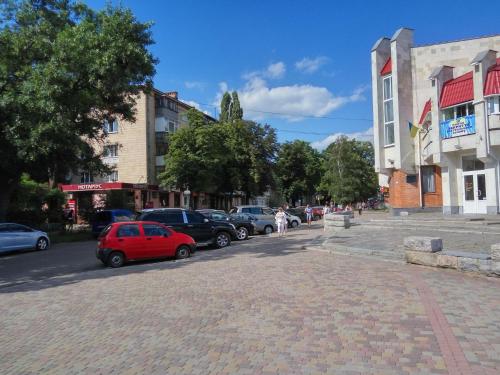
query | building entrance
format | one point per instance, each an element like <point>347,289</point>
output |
<point>474,184</point>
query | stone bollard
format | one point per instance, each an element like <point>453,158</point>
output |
<point>495,259</point>
<point>423,250</point>
<point>337,222</point>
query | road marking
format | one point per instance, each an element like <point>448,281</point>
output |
<point>453,354</point>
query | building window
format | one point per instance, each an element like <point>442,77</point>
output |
<point>172,105</point>
<point>458,111</point>
<point>161,143</point>
<point>86,178</point>
<point>112,177</point>
<point>493,105</point>
<point>172,127</point>
<point>388,111</point>
<point>428,179</point>
<point>110,151</point>
<point>111,126</point>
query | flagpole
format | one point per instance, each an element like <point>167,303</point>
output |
<point>419,171</point>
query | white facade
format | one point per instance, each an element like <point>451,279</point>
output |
<point>469,163</point>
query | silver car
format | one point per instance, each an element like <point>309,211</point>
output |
<point>19,237</point>
<point>261,225</point>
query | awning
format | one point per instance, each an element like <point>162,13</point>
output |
<point>457,91</point>
<point>425,112</point>
<point>492,85</point>
<point>387,68</point>
<point>107,186</point>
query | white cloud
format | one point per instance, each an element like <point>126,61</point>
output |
<point>276,70</point>
<point>307,65</point>
<point>194,85</point>
<point>192,103</point>
<point>292,102</point>
<point>273,71</point>
<point>366,135</point>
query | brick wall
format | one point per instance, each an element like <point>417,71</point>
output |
<point>406,195</point>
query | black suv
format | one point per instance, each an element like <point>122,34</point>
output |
<point>244,227</point>
<point>204,231</point>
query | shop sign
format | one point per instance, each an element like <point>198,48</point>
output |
<point>458,127</point>
<point>90,187</point>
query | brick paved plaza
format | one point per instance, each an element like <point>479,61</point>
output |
<point>268,306</point>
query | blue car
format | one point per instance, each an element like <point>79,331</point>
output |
<point>105,217</point>
<point>20,237</point>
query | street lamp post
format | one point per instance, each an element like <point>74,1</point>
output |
<point>187,194</point>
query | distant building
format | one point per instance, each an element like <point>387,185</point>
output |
<point>450,90</point>
<point>136,152</point>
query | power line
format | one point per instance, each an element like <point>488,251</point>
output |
<point>297,115</point>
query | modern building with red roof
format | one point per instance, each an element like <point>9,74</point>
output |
<point>450,91</point>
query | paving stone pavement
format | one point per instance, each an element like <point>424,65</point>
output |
<point>267,306</point>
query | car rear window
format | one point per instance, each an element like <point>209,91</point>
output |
<point>195,217</point>
<point>105,231</point>
<point>128,230</point>
<point>166,217</point>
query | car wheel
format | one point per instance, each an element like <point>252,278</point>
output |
<point>222,239</point>
<point>42,244</point>
<point>116,259</point>
<point>295,224</point>
<point>242,233</point>
<point>268,229</point>
<point>182,252</point>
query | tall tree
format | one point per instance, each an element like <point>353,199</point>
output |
<point>299,170</point>
<point>64,69</point>
<point>349,175</point>
<point>225,107</point>
<point>236,110</point>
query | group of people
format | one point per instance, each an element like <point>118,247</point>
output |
<point>281,221</point>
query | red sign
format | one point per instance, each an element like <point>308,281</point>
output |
<point>107,186</point>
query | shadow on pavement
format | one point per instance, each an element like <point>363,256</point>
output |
<point>46,276</point>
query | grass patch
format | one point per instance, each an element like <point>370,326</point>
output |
<point>58,237</point>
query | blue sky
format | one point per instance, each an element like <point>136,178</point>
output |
<point>300,59</point>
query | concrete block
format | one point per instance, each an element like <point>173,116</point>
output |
<point>447,261</point>
<point>466,254</point>
<point>495,269</point>
<point>495,252</point>
<point>333,220</point>
<point>423,258</point>
<point>423,244</point>
<point>474,265</point>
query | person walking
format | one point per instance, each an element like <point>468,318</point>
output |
<point>280,218</point>
<point>326,210</point>
<point>309,214</point>
<point>359,207</point>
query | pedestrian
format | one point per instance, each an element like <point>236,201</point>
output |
<point>309,214</point>
<point>364,206</point>
<point>68,217</point>
<point>280,218</point>
<point>359,206</point>
<point>326,210</point>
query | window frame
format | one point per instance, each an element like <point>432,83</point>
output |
<point>428,172</point>
<point>112,177</point>
<point>115,125</point>
<point>468,106</point>
<point>493,102</point>
<point>107,151</point>
<point>388,98</point>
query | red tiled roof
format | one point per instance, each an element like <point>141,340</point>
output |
<point>492,85</point>
<point>458,90</point>
<point>427,109</point>
<point>387,68</point>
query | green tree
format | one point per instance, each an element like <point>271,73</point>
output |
<point>64,69</point>
<point>236,110</point>
<point>299,170</point>
<point>225,108</point>
<point>349,175</point>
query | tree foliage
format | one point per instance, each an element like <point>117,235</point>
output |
<point>64,69</point>
<point>349,175</point>
<point>298,168</point>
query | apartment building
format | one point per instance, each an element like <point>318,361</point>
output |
<point>135,151</point>
<point>437,123</point>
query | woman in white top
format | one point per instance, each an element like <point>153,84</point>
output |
<point>280,218</point>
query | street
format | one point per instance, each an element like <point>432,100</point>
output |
<point>264,306</point>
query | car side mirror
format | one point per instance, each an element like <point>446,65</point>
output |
<point>205,220</point>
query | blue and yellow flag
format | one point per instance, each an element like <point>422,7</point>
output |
<point>413,129</point>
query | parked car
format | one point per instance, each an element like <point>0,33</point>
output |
<point>264,226</point>
<point>298,212</point>
<point>244,227</point>
<point>260,212</point>
<point>128,241</point>
<point>20,237</point>
<point>204,231</point>
<point>105,217</point>
<point>317,212</point>
<point>292,220</point>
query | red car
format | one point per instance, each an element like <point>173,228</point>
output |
<point>126,241</point>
